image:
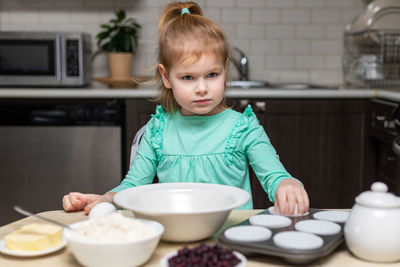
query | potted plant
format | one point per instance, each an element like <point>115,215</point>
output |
<point>120,39</point>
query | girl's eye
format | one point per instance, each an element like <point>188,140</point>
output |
<point>212,75</point>
<point>187,77</point>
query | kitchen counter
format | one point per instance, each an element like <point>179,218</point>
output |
<point>143,92</point>
<point>99,91</point>
<point>340,257</point>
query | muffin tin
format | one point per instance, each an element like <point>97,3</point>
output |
<point>297,239</point>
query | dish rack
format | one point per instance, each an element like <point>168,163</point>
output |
<point>371,58</point>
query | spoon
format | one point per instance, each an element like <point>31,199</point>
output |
<point>28,213</point>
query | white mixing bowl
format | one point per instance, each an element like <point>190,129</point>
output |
<point>120,254</point>
<point>188,211</point>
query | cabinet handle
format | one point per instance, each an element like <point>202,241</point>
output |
<point>260,106</point>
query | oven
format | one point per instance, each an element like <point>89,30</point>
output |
<point>384,137</point>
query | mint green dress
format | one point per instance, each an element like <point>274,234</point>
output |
<point>207,149</point>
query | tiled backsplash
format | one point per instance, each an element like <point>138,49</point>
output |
<point>285,40</point>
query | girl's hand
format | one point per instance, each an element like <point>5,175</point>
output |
<point>289,193</point>
<point>75,201</point>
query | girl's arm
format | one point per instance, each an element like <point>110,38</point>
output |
<point>285,191</point>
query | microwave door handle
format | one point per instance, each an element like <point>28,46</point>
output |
<point>59,50</point>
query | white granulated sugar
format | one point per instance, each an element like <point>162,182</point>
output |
<point>113,227</point>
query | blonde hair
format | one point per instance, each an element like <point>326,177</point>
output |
<point>186,36</point>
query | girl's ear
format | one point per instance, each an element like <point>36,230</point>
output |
<point>164,76</point>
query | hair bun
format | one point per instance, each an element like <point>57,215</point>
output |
<point>174,10</point>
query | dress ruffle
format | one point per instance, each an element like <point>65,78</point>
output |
<point>240,126</point>
<point>157,129</point>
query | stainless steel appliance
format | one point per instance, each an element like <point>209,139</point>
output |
<point>384,135</point>
<point>45,59</point>
<point>371,55</point>
<point>50,148</point>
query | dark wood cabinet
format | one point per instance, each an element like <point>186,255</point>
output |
<point>320,141</point>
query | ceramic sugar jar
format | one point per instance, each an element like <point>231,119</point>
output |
<point>372,231</point>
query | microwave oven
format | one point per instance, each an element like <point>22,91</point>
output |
<point>45,59</point>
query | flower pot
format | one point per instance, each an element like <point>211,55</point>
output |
<point>120,64</point>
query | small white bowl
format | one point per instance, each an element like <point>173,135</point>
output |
<point>188,211</point>
<point>104,254</point>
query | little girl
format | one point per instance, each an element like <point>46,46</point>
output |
<point>194,137</point>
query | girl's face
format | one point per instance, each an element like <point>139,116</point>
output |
<point>197,87</point>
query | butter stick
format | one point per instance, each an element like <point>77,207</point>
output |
<point>34,237</point>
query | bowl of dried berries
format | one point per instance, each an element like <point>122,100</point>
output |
<point>204,255</point>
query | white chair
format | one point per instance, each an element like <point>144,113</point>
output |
<point>135,143</point>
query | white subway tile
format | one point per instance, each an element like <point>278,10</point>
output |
<point>294,76</point>
<point>143,15</point>
<point>295,16</point>
<point>235,15</point>
<point>3,16</point>
<point>265,15</point>
<point>250,31</point>
<point>24,16</point>
<point>242,44</point>
<point>329,15</point>
<point>11,3</point>
<point>296,47</point>
<point>219,3</point>
<point>310,31</point>
<point>96,4</point>
<point>55,16</point>
<point>212,13</point>
<point>264,46</point>
<point>230,30</point>
<point>265,75</point>
<point>333,62</point>
<point>39,4</point>
<point>42,27</point>
<point>326,47</point>
<point>326,76</point>
<point>281,3</point>
<point>280,61</point>
<point>69,4</point>
<point>349,14</point>
<point>250,3</point>
<point>334,31</point>
<point>340,3</point>
<point>309,62</point>
<point>6,26</point>
<point>311,3</point>
<point>82,16</point>
<point>256,61</point>
<point>281,31</point>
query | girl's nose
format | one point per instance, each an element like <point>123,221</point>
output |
<point>201,87</point>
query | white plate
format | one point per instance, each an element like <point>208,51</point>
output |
<point>164,260</point>
<point>248,233</point>
<point>5,250</point>
<point>332,216</point>
<point>318,227</point>
<point>271,210</point>
<point>270,221</point>
<point>298,240</point>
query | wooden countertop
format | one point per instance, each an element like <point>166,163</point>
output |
<point>340,257</point>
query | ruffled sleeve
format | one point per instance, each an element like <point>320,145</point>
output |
<point>157,129</point>
<point>240,126</point>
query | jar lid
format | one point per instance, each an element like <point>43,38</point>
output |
<point>378,197</point>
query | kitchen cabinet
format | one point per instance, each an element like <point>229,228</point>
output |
<point>320,141</point>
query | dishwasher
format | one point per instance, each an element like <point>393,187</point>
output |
<point>49,148</point>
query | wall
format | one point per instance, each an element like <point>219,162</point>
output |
<point>285,40</point>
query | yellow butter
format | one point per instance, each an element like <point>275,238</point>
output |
<point>34,237</point>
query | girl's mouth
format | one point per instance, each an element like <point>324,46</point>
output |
<point>202,101</point>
